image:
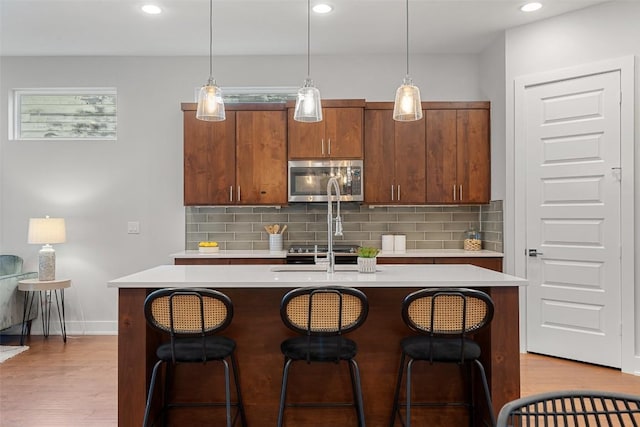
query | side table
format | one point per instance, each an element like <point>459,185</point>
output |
<point>44,288</point>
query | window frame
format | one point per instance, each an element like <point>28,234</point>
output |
<point>15,111</point>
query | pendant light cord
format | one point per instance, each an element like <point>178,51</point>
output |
<point>407,11</point>
<point>210,39</point>
<point>308,38</point>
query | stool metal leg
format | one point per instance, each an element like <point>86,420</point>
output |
<point>283,392</point>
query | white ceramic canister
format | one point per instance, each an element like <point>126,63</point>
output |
<point>387,242</point>
<point>400,243</point>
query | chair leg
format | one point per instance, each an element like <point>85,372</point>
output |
<point>150,393</point>
<point>236,378</point>
<point>357,391</point>
<point>408,416</point>
<point>396,396</point>
<point>487,394</point>
<point>227,391</point>
<point>283,392</point>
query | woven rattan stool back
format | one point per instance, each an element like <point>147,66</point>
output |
<point>188,312</point>
<point>324,310</point>
<point>444,311</point>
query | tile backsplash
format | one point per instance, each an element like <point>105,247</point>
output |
<point>426,227</point>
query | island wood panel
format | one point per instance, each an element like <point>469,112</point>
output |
<point>258,331</point>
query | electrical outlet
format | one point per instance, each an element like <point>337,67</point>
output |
<point>133,227</point>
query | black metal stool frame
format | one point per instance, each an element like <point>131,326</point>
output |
<point>313,334</point>
<point>184,335</point>
<point>431,334</point>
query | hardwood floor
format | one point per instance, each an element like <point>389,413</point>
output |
<point>75,385</point>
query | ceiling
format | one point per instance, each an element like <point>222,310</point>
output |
<point>260,27</point>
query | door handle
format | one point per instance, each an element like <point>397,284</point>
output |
<point>534,252</point>
<point>322,148</point>
<point>231,193</point>
<point>391,192</point>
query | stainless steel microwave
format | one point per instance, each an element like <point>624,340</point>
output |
<point>308,180</point>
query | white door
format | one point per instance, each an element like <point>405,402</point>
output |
<point>572,139</point>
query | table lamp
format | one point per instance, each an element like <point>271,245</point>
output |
<point>46,231</point>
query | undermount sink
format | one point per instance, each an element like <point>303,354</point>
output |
<point>313,267</point>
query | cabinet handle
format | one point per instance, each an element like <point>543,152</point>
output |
<point>460,192</point>
<point>454,192</point>
<point>398,192</point>
<point>322,142</point>
<point>329,146</point>
<point>238,193</point>
<point>231,193</point>
<point>392,192</point>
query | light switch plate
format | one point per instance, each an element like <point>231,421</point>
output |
<point>133,227</point>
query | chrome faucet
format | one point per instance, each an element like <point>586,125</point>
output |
<point>333,182</point>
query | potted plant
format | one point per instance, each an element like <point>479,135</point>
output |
<point>367,259</point>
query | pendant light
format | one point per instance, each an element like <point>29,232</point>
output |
<point>210,103</point>
<point>308,106</point>
<point>407,106</point>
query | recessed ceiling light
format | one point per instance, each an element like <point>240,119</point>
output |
<point>151,9</point>
<point>322,8</point>
<point>531,7</point>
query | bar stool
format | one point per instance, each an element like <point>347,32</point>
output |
<point>443,318</point>
<point>192,317</point>
<point>321,315</point>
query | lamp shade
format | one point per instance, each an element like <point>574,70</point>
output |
<point>47,230</point>
<point>407,106</point>
<point>210,103</point>
<point>308,104</point>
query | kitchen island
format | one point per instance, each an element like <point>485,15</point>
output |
<point>256,291</point>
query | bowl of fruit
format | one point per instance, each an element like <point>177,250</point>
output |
<point>208,247</point>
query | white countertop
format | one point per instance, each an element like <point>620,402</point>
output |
<point>410,253</point>
<point>263,276</point>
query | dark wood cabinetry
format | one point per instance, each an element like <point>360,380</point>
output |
<point>394,158</point>
<point>491,263</point>
<point>458,155</point>
<point>337,136</point>
<point>241,160</point>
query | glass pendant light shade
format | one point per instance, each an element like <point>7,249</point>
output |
<point>407,106</point>
<point>308,105</point>
<point>210,103</point>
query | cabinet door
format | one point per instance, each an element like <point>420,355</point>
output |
<point>261,157</point>
<point>409,154</point>
<point>379,156</point>
<point>473,156</point>
<point>209,160</point>
<point>343,132</point>
<point>305,140</point>
<point>441,156</point>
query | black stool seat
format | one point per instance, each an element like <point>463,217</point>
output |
<point>319,349</point>
<point>188,350</point>
<point>444,349</point>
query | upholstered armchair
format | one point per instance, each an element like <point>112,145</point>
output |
<point>11,299</point>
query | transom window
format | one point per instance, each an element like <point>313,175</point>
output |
<point>65,113</point>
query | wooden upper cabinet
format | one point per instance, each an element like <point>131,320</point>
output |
<point>394,160</point>
<point>241,160</point>
<point>209,160</point>
<point>458,156</point>
<point>474,156</point>
<point>261,157</point>
<point>338,136</point>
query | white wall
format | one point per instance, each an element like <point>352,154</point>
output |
<point>99,186</point>
<point>595,34</point>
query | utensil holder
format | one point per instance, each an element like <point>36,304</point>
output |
<point>275,242</point>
